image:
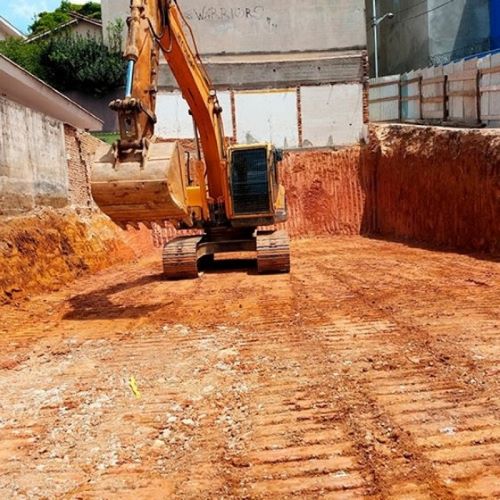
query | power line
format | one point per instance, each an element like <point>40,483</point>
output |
<point>409,8</point>
<point>427,11</point>
<point>422,13</point>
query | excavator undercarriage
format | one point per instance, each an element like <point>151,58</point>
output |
<point>182,255</point>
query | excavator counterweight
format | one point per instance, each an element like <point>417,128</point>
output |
<point>227,192</point>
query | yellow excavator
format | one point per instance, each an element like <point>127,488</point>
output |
<point>230,192</point>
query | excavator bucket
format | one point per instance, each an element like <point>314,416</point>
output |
<point>147,185</point>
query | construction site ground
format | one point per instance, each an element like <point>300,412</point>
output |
<point>369,371</point>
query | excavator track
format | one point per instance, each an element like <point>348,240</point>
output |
<point>180,258</point>
<point>273,252</point>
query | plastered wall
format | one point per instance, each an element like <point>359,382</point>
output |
<point>33,166</point>
<point>252,26</point>
<point>307,117</point>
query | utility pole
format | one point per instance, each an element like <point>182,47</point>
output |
<point>375,22</point>
<point>375,35</point>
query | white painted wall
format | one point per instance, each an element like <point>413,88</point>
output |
<point>385,110</point>
<point>332,115</point>
<point>461,79</point>
<point>410,109</point>
<point>267,117</point>
<point>490,101</point>
<point>174,120</point>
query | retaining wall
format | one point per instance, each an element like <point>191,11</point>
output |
<point>33,167</point>
<point>42,162</point>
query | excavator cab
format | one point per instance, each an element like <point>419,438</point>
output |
<point>256,196</point>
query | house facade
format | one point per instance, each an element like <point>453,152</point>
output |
<point>77,25</point>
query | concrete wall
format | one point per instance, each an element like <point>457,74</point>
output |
<point>288,118</point>
<point>43,163</point>
<point>271,56</point>
<point>255,26</point>
<point>98,106</point>
<point>428,32</point>
<point>33,166</point>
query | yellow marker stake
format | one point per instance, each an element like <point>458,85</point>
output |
<point>133,386</point>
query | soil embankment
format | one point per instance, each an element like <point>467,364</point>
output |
<point>438,185</point>
<point>49,248</point>
<point>329,192</point>
<point>426,185</point>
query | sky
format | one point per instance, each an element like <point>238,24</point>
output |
<point>20,13</point>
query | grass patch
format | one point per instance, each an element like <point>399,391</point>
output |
<point>109,137</point>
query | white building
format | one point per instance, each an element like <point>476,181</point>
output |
<point>7,30</point>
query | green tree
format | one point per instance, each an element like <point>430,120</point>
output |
<point>89,9</point>
<point>82,63</point>
<point>27,55</point>
<point>47,21</point>
<point>72,62</point>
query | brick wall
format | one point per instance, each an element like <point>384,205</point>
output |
<point>80,149</point>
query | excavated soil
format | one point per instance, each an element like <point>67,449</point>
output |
<point>49,248</point>
<point>371,371</point>
<point>438,186</point>
<point>329,192</point>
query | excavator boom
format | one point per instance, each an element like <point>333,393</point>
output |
<point>228,192</point>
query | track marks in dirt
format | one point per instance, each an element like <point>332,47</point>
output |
<point>351,377</point>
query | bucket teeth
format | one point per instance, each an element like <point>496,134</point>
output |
<point>273,252</point>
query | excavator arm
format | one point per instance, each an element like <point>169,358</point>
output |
<point>228,193</point>
<point>157,26</point>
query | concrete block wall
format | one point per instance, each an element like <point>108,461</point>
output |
<point>33,167</point>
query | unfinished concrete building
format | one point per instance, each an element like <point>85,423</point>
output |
<point>274,65</point>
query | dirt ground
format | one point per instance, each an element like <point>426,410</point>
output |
<point>370,371</point>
